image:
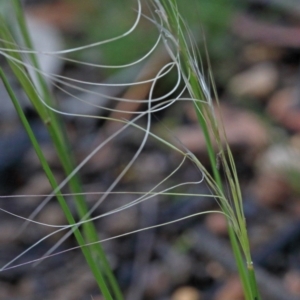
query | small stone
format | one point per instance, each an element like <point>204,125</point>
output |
<point>158,280</point>
<point>280,159</point>
<point>58,14</point>
<point>121,222</point>
<point>258,81</point>
<point>76,284</point>
<point>231,290</point>
<point>102,159</point>
<point>6,291</point>
<point>284,107</point>
<point>38,184</point>
<point>53,215</point>
<point>27,287</point>
<point>50,154</point>
<point>270,189</point>
<point>277,168</point>
<point>216,223</point>
<point>8,232</point>
<point>186,293</point>
<point>292,282</point>
<point>255,53</point>
<point>244,130</point>
<point>215,270</point>
<point>178,261</point>
<point>295,141</point>
<point>192,138</point>
<point>149,166</point>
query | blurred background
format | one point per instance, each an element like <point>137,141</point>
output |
<point>254,51</point>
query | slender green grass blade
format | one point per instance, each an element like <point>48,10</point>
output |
<point>59,138</point>
<point>88,255</point>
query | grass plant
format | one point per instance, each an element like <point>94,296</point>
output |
<point>185,61</point>
<point>57,132</point>
<point>196,84</point>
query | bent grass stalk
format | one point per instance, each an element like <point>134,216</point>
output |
<point>51,178</point>
<point>176,28</point>
<point>181,48</point>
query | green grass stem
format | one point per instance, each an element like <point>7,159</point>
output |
<point>206,118</point>
<point>60,141</point>
<point>86,252</point>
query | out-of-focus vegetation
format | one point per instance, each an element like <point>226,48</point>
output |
<point>208,20</point>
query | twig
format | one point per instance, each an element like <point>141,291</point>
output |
<point>275,35</point>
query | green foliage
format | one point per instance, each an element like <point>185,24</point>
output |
<point>106,19</point>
